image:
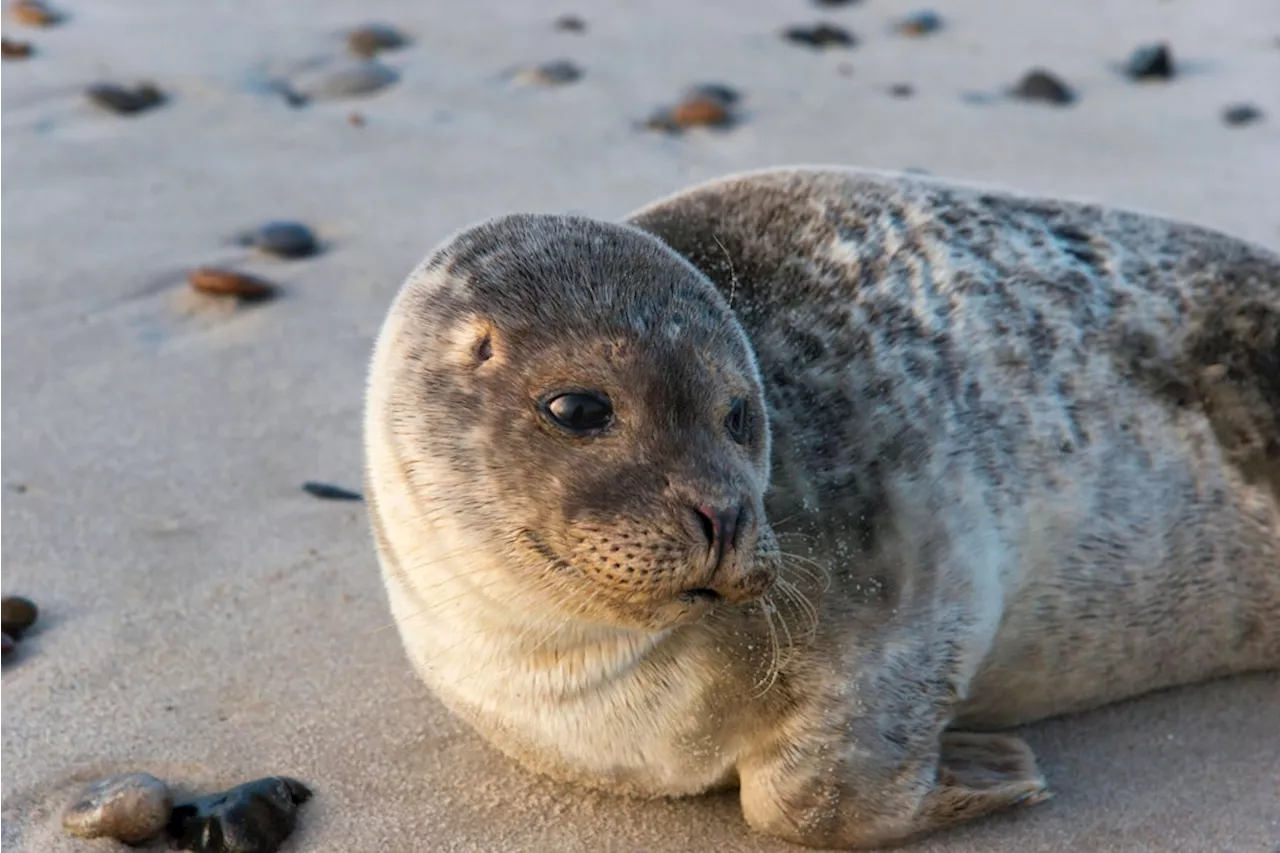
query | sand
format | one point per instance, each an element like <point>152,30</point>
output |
<point>207,621</point>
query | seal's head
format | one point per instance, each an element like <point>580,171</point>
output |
<point>580,404</point>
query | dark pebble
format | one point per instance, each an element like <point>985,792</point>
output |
<point>330,492</point>
<point>1239,114</point>
<point>284,240</point>
<point>1040,85</point>
<point>901,90</point>
<point>123,100</point>
<point>819,36</point>
<point>220,282</point>
<point>6,643</point>
<point>1150,61</point>
<point>831,4</point>
<point>255,817</point>
<point>18,614</point>
<point>555,73</point>
<point>570,24</point>
<point>714,91</point>
<point>15,49</point>
<point>371,39</point>
<point>920,23</point>
<point>130,807</point>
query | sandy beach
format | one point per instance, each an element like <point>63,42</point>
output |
<point>206,620</point>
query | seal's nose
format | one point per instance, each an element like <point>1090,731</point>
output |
<point>720,528</point>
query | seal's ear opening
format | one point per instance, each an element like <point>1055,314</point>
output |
<point>475,343</point>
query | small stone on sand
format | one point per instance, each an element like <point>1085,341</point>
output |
<point>326,491</point>
<point>831,4</point>
<point>570,24</point>
<point>222,282</point>
<point>901,90</point>
<point>1152,61</point>
<point>346,78</point>
<point>284,239</point>
<point>18,614</point>
<point>1040,85</point>
<point>372,39</point>
<point>1240,114</point>
<point>123,100</point>
<point>130,807</point>
<point>15,49</point>
<point>920,23</point>
<point>255,817</point>
<point>33,13</point>
<point>555,73</point>
<point>819,36</point>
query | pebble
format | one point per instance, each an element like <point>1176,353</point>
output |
<point>570,24</point>
<point>555,73</point>
<point>6,644</point>
<point>345,79</point>
<point>18,614</point>
<point>123,100</point>
<point>819,36</point>
<point>834,3</point>
<point>15,49</point>
<point>1239,114</point>
<point>130,807</point>
<point>372,39</point>
<point>255,817</point>
<point>34,13</point>
<point>356,119</point>
<point>703,105</point>
<point>284,240</point>
<point>1040,85</point>
<point>901,90</point>
<point>222,282</point>
<point>920,23</point>
<point>1150,61</point>
<point>329,492</point>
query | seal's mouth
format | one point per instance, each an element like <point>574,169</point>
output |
<point>700,595</point>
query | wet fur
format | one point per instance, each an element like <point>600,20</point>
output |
<point>1023,458</point>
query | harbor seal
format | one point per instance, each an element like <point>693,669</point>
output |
<point>809,481</point>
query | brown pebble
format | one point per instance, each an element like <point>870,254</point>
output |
<point>18,614</point>
<point>123,100</point>
<point>130,807</point>
<point>33,13</point>
<point>372,39</point>
<point>355,120</point>
<point>221,282</point>
<point>15,49</point>
<point>570,24</point>
<point>700,111</point>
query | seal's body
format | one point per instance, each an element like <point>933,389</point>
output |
<point>803,480</point>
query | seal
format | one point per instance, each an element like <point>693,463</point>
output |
<point>810,481</point>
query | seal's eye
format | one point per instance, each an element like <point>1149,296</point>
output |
<point>736,421</point>
<point>580,411</point>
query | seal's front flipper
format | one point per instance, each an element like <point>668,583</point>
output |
<point>979,774</point>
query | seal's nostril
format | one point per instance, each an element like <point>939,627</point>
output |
<point>707,518</point>
<point>719,527</point>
